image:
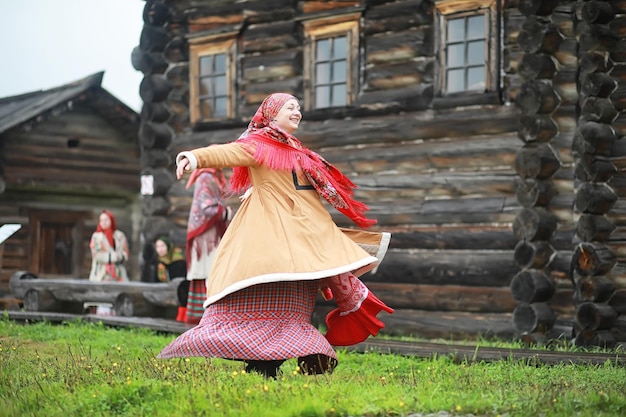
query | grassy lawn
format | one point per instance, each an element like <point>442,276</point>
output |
<point>84,369</point>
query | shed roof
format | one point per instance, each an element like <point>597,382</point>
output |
<point>28,108</point>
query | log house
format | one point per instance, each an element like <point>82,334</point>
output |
<point>484,134</point>
<point>65,154</point>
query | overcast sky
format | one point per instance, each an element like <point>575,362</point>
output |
<point>47,43</point>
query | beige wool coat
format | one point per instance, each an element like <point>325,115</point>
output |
<point>282,230</point>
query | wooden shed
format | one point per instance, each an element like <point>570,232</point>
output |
<point>484,134</point>
<point>66,154</point>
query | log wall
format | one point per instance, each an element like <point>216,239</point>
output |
<point>476,189</point>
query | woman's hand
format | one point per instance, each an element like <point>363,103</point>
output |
<point>181,167</point>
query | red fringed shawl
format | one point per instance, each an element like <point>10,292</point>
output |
<point>270,148</point>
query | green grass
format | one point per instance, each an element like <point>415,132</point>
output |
<point>84,369</point>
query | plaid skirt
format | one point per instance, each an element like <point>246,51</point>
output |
<point>263,322</point>
<point>195,301</point>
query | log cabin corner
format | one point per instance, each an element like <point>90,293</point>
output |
<point>486,135</point>
<point>66,154</point>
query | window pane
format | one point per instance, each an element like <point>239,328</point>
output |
<point>206,110</point>
<point>456,80</point>
<point>220,106</point>
<point>476,78</point>
<point>322,73</point>
<point>456,30</point>
<point>340,47</point>
<point>339,95</point>
<point>220,63</point>
<point>206,65</point>
<point>322,97</point>
<point>323,50</point>
<point>456,55</point>
<point>476,27</point>
<point>220,85</point>
<point>339,72</point>
<point>476,53</point>
<point>206,88</point>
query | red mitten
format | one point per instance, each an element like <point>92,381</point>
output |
<point>354,319</point>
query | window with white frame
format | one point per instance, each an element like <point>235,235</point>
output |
<point>211,82</point>
<point>468,38</point>
<point>331,57</point>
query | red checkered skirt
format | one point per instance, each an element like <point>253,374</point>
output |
<point>263,322</point>
<point>195,301</point>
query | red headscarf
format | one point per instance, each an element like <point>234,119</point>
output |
<point>277,149</point>
<point>108,232</point>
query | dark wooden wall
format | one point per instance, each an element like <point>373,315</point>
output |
<point>451,178</point>
<point>72,164</point>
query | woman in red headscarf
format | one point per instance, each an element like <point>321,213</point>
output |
<point>280,249</point>
<point>109,250</point>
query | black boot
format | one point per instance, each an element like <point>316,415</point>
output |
<point>269,369</point>
<point>316,364</point>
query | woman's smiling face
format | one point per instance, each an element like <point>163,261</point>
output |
<point>289,116</point>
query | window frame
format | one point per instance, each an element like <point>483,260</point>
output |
<point>452,9</point>
<point>330,27</point>
<point>202,47</point>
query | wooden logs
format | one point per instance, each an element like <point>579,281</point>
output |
<point>153,38</point>
<point>596,37</point>
<point>591,62</point>
<point>148,62</point>
<point>155,135</point>
<point>599,12</point>
<point>532,286</point>
<point>594,138</point>
<point>588,338</point>
<point>538,36</point>
<point>592,259</point>
<point>533,255</point>
<point>601,110</point>
<point>69,295</point>
<point>595,198</point>
<point>535,317</point>
<point>537,7</point>
<point>594,316</point>
<point>598,84</point>
<point>156,13</point>
<point>154,88</point>
<point>177,50</point>
<point>537,128</point>
<point>539,162</point>
<point>537,66</point>
<point>534,224</point>
<point>594,169</point>
<point>536,96</point>
<point>155,112</point>
<point>594,289</point>
<point>594,227</point>
<point>534,193</point>
<point>618,301</point>
<point>178,76</point>
<point>40,300</point>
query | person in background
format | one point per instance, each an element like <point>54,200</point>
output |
<point>208,219</point>
<point>172,264</point>
<point>280,249</point>
<point>109,252</point>
<point>171,261</point>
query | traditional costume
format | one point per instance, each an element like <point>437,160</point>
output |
<point>208,219</point>
<point>279,249</point>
